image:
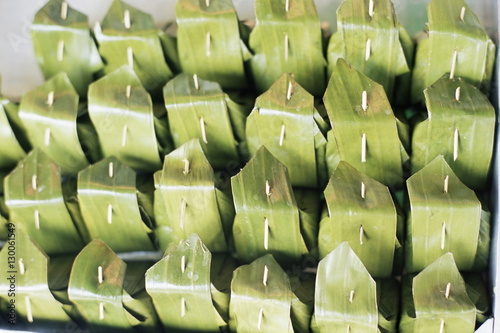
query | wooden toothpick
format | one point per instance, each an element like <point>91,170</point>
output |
<point>50,98</point>
<point>29,313</point>
<point>64,10</point>
<point>183,264</point>
<point>351,296</point>
<point>34,182</point>
<point>456,138</point>
<point>361,234</point>
<point>124,135</point>
<point>282,135</point>
<point>364,100</point>
<point>60,50</point>
<point>183,213</point>
<point>443,235</point>
<point>111,170</point>
<point>186,166</point>
<point>99,275</point>
<point>130,57</point>
<point>363,190</point>
<point>462,14</point>
<point>110,214</point>
<point>37,219</point>
<point>368,49</point>
<point>264,278</point>
<point>447,291</point>
<point>268,188</point>
<point>203,130</point>
<point>286,47</point>
<point>453,63</point>
<point>287,5</point>
<point>441,326</point>
<point>207,44</point>
<point>457,94</point>
<point>126,19</point>
<point>101,311</point>
<point>363,148</point>
<point>128,91</point>
<point>371,6</point>
<point>196,82</point>
<point>446,183</point>
<point>46,137</point>
<point>261,316</point>
<point>289,91</point>
<point>22,269</point>
<point>266,233</point>
<point>183,307</point>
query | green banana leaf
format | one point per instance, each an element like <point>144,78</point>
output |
<point>287,40</point>
<point>187,201</point>
<point>169,45</point>
<point>209,42</point>
<point>36,204</point>
<point>463,130</point>
<point>425,305</point>
<point>25,285</point>
<point>62,43</point>
<point>267,217</point>
<point>122,112</point>
<point>107,195</point>
<point>302,302</point>
<point>445,216</point>
<point>369,39</point>
<point>96,287</point>
<point>128,36</point>
<point>49,114</point>
<point>221,274</point>
<point>309,203</point>
<point>365,129</point>
<point>362,213</point>
<point>199,109</point>
<point>136,301</point>
<point>457,44</point>
<point>481,261</point>
<point>478,294</point>
<point>261,297</point>
<point>346,294</point>
<point>11,150</point>
<point>180,287</point>
<point>388,298</point>
<point>283,120</point>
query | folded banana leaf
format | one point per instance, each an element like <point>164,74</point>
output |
<point>261,297</point>
<point>461,126</point>
<point>107,194</point>
<point>4,214</point>
<point>221,274</point>
<point>478,294</point>
<point>302,302</point>
<point>12,148</point>
<point>128,36</point>
<point>445,216</point>
<point>168,40</point>
<point>25,285</point>
<point>209,42</point>
<point>362,213</point>
<point>49,113</point>
<point>63,43</point>
<point>388,299</point>
<point>96,288</point>
<point>366,133</point>
<point>180,287</point>
<point>346,294</point>
<point>187,200</point>
<point>138,304</point>
<point>457,44</point>
<point>436,300</point>
<point>34,197</point>
<point>285,120</point>
<point>372,40</point>
<point>267,216</point>
<point>122,112</point>
<point>200,109</point>
<point>287,39</point>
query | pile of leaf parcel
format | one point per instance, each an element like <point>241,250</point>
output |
<point>228,176</point>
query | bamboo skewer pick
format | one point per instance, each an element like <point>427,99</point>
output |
<point>287,5</point>
<point>130,57</point>
<point>101,311</point>
<point>183,264</point>
<point>124,135</point>
<point>50,98</point>
<point>364,100</point>
<point>126,19</point>
<point>29,313</point>
<point>446,183</point>
<point>268,188</point>
<point>363,190</point>
<point>261,315</point>
<point>64,10</point>
<point>186,166</point>
<point>462,14</point>
<point>110,214</point>
<point>111,171</point>
<point>455,144</point>
<point>99,275</point>
<point>34,182</point>
<point>128,91</point>
<point>183,212</point>
<point>46,139</point>
<point>286,47</point>
<point>368,49</point>
<point>289,91</point>
<point>22,269</point>
<point>183,307</point>
<point>266,233</point>
<point>282,135</point>
<point>447,291</point>
<point>60,50</point>
<point>363,148</point>
<point>453,64</point>
<point>441,326</point>
<point>370,8</point>
<point>203,130</point>
<point>207,44</point>
<point>37,219</point>
<point>264,278</point>
<point>443,235</point>
<point>351,296</point>
<point>457,94</point>
<point>196,82</point>
<point>361,234</point>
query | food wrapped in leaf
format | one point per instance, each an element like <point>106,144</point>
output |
<point>461,126</point>
<point>187,200</point>
<point>268,219</point>
<point>361,211</point>
<point>12,135</point>
<point>25,280</point>
<point>58,125</point>
<point>181,289</point>
<point>128,36</point>
<point>200,109</point>
<point>372,40</point>
<point>111,208</point>
<point>96,288</point>
<point>287,39</point>
<point>62,43</point>
<point>445,216</point>
<point>436,300</point>
<point>348,299</point>
<point>262,299</point>
<point>128,125</point>
<point>36,203</point>
<point>366,134</point>
<point>210,43</point>
<point>285,120</point>
<point>457,44</point>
